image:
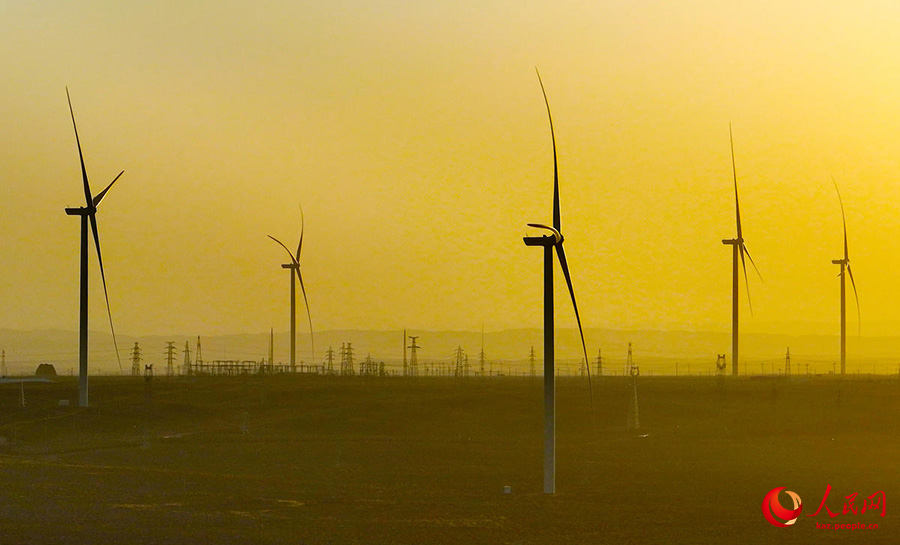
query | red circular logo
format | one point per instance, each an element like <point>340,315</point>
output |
<point>772,508</point>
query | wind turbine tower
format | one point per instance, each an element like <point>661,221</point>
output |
<point>845,270</point>
<point>738,249</point>
<point>88,214</point>
<point>294,268</point>
<point>550,242</point>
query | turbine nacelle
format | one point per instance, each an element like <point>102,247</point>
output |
<point>554,234</point>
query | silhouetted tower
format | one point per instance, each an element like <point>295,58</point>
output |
<point>458,353</point>
<point>630,368</point>
<point>405,365</point>
<point>271,349</point>
<point>347,359</point>
<point>198,355</point>
<point>170,359</point>
<point>787,363</point>
<point>582,367</point>
<point>531,362</point>
<point>481,354</point>
<point>413,368</point>
<point>3,363</point>
<point>187,359</point>
<point>136,361</point>
<point>329,361</point>
<point>720,365</point>
<point>599,362</point>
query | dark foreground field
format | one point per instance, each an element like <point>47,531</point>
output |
<point>297,459</point>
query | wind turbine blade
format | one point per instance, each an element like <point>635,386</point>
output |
<point>299,246</point>
<point>752,262</point>
<point>737,205</point>
<point>293,260</point>
<point>555,166</point>
<point>308,317</point>
<point>746,281</point>
<point>105,292</point>
<point>99,196</point>
<point>87,186</point>
<point>843,218</point>
<point>565,268</point>
<point>856,297</point>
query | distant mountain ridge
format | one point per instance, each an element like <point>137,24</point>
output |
<point>655,350</point>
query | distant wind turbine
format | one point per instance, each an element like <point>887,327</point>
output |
<point>549,242</point>
<point>845,265</point>
<point>88,212</point>
<point>294,267</point>
<point>738,247</point>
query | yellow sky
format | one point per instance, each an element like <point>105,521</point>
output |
<point>415,137</point>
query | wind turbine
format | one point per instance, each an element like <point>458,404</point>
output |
<point>294,267</point>
<point>551,241</point>
<point>88,212</point>
<point>845,264</point>
<point>738,247</point>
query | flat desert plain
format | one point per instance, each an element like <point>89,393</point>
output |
<point>314,459</point>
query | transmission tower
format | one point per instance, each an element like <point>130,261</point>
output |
<point>136,361</point>
<point>413,367</point>
<point>198,355</point>
<point>405,365</point>
<point>3,363</point>
<point>458,354</point>
<point>787,363</point>
<point>272,350</point>
<point>347,359</point>
<point>329,361</point>
<point>481,354</point>
<point>170,359</point>
<point>583,368</point>
<point>720,365</point>
<point>630,368</point>
<point>599,362</point>
<point>187,359</point>
<point>531,362</point>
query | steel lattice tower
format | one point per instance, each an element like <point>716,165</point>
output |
<point>787,363</point>
<point>599,363</point>
<point>187,359</point>
<point>413,368</point>
<point>136,361</point>
<point>329,361</point>
<point>170,359</point>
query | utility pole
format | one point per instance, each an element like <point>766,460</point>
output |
<point>136,361</point>
<point>413,361</point>
<point>186,369</point>
<point>170,358</point>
